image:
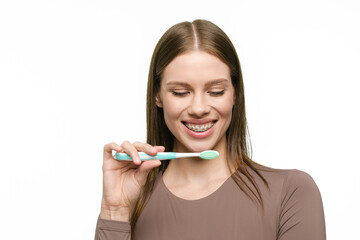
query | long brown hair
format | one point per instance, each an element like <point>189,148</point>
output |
<point>180,38</point>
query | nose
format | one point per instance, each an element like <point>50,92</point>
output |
<point>198,106</point>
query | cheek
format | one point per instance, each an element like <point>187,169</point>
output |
<point>172,109</point>
<point>225,107</point>
<point>172,112</point>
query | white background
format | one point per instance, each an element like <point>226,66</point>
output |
<point>74,74</point>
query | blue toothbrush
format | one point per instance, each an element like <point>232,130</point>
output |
<point>209,154</point>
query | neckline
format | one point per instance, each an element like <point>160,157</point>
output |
<point>211,195</point>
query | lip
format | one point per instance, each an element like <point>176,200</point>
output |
<point>200,121</point>
<point>200,135</point>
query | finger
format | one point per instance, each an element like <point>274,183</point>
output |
<point>148,165</point>
<point>160,148</point>
<point>145,147</point>
<point>108,148</point>
<point>148,148</point>
<point>132,151</point>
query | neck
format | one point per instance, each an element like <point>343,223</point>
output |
<point>195,169</point>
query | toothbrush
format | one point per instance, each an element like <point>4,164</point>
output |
<point>209,154</point>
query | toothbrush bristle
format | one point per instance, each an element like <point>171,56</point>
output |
<point>210,154</point>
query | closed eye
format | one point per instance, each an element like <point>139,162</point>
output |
<point>217,93</point>
<point>179,93</point>
<point>211,93</point>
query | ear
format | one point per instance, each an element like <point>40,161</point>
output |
<point>158,101</point>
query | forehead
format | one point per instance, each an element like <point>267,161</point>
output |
<point>196,67</point>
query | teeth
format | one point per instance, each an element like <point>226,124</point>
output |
<point>199,128</point>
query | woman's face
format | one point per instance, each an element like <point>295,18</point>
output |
<point>197,97</point>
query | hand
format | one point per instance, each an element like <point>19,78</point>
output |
<point>123,180</point>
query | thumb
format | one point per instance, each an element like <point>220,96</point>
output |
<point>145,168</point>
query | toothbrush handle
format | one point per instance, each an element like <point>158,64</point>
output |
<point>144,156</point>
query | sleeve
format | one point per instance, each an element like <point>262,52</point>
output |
<point>301,210</point>
<point>112,230</point>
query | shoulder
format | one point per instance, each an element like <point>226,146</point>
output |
<point>297,180</point>
<point>295,187</point>
<point>287,181</point>
<point>290,177</point>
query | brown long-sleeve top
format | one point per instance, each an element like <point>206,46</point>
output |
<point>293,210</point>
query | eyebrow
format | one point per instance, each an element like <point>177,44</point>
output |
<point>208,84</point>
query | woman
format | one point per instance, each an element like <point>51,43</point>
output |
<point>195,102</point>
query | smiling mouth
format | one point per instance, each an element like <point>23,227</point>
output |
<point>199,127</point>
